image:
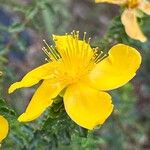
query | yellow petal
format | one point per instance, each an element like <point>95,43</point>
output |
<point>117,69</point>
<point>34,76</point>
<point>131,25</point>
<point>145,6</point>
<point>86,106</point>
<point>3,128</point>
<point>111,1</point>
<point>41,100</point>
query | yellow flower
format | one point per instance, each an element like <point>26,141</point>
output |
<point>3,128</point>
<point>80,72</point>
<point>130,14</point>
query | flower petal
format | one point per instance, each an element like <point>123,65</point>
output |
<point>86,106</point>
<point>130,23</point>
<point>34,76</point>
<point>41,100</point>
<point>3,128</point>
<point>111,1</point>
<point>145,6</point>
<point>117,69</point>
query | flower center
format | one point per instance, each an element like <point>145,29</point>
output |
<point>76,57</point>
<point>132,3</point>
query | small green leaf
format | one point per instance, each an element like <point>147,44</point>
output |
<point>16,27</point>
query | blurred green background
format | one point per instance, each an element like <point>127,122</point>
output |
<point>23,26</point>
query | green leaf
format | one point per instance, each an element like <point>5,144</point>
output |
<point>31,12</point>
<point>6,111</point>
<point>16,27</point>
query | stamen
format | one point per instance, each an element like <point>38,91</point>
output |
<point>77,35</point>
<point>51,52</point>
<point>103,57</point>
<point>84,36</point>
<point>55,52</point>
<point>69,46</point>
<point>46,52</point>
<point>98,57</point>
<point>73,33</point>
<point>83,43</point>
<point>46,59</point>
<point>89,40</point>
<point>77,51</point>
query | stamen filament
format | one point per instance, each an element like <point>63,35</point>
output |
<point>51,51</point>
